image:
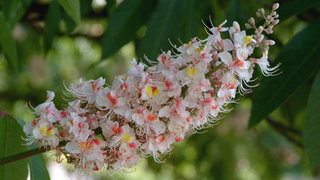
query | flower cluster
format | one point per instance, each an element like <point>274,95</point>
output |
<point>147,110</point>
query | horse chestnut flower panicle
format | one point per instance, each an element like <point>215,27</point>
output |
<point>147,110</point>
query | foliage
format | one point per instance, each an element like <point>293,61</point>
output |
<point>47,43</point>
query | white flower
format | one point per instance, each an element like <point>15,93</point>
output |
<point>148,109</point>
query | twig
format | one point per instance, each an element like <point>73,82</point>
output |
<point>285,131</point>
<point>23,155</point>
<point>32,152</point>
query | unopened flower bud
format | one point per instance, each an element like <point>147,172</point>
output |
<point>260,38</point>
<point>258,14</point>
<point>275,22</point>
<point>275,6</point>
<point>270,42</point>
<point>248,26</point>
<point>260,29</point>
<point>251,21</point>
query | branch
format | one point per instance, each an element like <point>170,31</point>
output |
<point>23,155</point>
<point>285,131</point>
<point>33,152</point>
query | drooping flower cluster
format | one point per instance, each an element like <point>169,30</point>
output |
<point>147,110</point>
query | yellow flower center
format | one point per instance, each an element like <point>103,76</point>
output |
<point>152,91</point>
<point>189,44</point>
<point>199,49</point>
<point>126,138</point>
<point>247,39</point>
<point>46,131</point>
<point>191,71</point>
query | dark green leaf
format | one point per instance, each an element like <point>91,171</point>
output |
<point>124,23</point>
<point>218,12</point>
<point>72,7</point>
<point>12,143</point>
<point>70,25</point>
<point>52,24</point>
<point>236,12</point>
<point>7,43</point>
<point>295,7</point>
<point>194,14</point>
<point>166,23</point>
<point>85,7</point>
<point>14,9</point>
<point>311,132</point>
<point>300,60</point>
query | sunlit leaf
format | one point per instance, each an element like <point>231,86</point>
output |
<point>7,43</point>
<point>72,7</point>
<point>10,144</point>
<point>124,23</point>
<point>311,130</point>
<point>300,60</point>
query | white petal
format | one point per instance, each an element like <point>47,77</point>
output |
<point>37,134</point>
<point>228,45</point>
<point>225,57</point>
<point>27,128</point>
<point>165,112</point>
<point>73,147</point>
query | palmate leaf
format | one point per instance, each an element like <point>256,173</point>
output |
<point>300,61</point>
<point>124,23</point>
<point>311,132</point>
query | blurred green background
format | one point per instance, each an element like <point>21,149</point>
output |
<point>55,43</point>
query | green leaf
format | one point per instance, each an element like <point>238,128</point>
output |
<point>236,12</point>
<point>69,24</point>
<point>51,24</point>
<point>72,7</point>
<point>166,23</point>
<point>218,12</point>
<point>295,7</point>
<point>12,143</point>
<point>311,131</point>
<point>124,23</point>
<point>300,60</point>
<point>14,10</point>
<point>193,16</point>
<point>85,7</point>
<point>38,169</point>
<point>7,43</point>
